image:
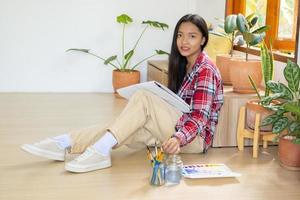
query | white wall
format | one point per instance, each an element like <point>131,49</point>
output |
<point>211,10</point>
<point>34,35</point>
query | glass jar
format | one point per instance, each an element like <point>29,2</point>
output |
<point>173,169</point>
<point>158,174</point>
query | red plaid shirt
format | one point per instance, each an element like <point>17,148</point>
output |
<point>202,89</point>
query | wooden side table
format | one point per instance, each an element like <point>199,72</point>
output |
<point>256,135</point>
<point>228,118</point>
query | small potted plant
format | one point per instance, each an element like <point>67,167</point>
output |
<point>240,68</point>
<point>124,73</point>
<point>286,119</point>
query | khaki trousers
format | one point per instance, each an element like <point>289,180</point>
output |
<point>145,119</point>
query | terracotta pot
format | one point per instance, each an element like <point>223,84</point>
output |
<point>223,64</point>
<point>289,154</point>
<point>252,107</point>
<point>239,71</point>
<point>124,78</point>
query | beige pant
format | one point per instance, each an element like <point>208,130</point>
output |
<point>145,119</point>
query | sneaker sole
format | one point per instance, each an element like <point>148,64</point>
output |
<point>104,164</point>
<point>42,153</point>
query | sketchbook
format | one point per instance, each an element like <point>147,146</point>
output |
<point>158,89</point>
<point>208,171</point>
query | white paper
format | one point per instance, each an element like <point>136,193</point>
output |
<point>158,89</point>
<point>208,171</point>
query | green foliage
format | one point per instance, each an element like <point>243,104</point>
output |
<point>287,114</point>
<point>254,86</point>
<point>113,61</point>
<point>230,24</point>
<point>267,66</point>
<point>252,34</point>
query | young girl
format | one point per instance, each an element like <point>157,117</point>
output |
<point>147,118</point>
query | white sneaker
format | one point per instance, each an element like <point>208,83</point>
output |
<point>90,160</point>
<point>47,148</point>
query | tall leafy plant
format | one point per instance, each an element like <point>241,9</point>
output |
<point>123,64</point>
<point>287,114</point>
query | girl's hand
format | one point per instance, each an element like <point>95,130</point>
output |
<point>171,146</point>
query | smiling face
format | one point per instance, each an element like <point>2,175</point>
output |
<point>189,41</point>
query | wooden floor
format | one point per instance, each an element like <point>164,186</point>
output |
<point>27,118</point>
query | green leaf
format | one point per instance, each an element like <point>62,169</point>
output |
<point>242,24</point>
<point>292,108</point>
<point>277,87</point>
<point>250,17</point>
<point>156,24</point>
<point>267,65</point>
<point>253,21</point>
<point>294,126</point>
<point>276,108</point>
<point>268,99</point>
<point>271,119</point>
<point>280,125</point>
<point>230,24</point>
<point>254,86</point>
<point>273,107</point>
<point>256,39</point>
<point>82,50</point>
<point>296,141</point>
<point>261,29</point>
<point>110,59</point>
<point>124,19</point>
<point>129,54</point>
<point>292,75</point>
<point>161,52</point>
<point>128,57</point>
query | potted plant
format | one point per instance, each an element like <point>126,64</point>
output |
<point>286,120</point>
<point>229,31</point>
<point>254,106</point>
<point>240,69</point>
<point>124,73</point>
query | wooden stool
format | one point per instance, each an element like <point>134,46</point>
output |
<point>242,133</point>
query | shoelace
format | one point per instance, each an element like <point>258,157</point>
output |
<point>88,152</point>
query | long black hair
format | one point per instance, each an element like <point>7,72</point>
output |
<point>177,62</point>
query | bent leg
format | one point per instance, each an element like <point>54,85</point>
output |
<point>145,113</point>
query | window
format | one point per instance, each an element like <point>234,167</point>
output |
<point>280,15</point>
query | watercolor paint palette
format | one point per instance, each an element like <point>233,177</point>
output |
<point>208,171</point>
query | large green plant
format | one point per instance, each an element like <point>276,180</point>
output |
<point>287,114</point>
<point>267,66</point>
<point>123,65</point>
<point>251,32</point>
